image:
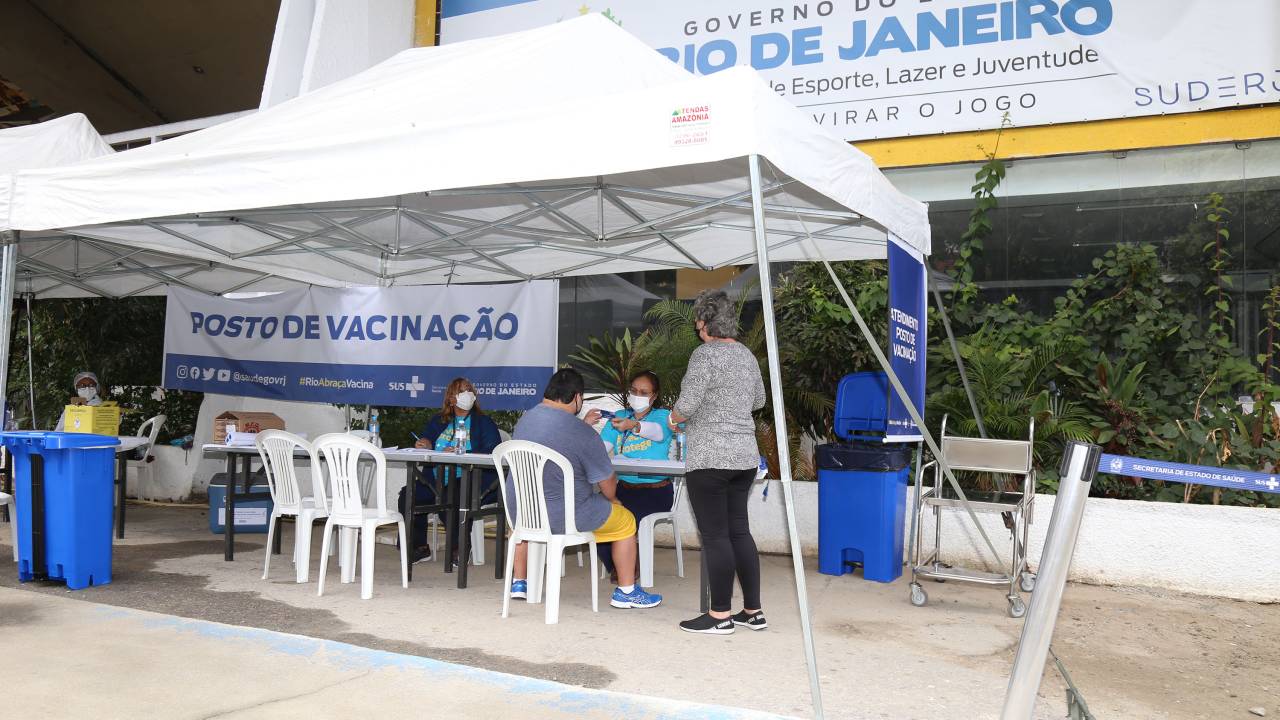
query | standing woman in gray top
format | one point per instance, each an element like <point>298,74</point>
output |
<point>717,396</point>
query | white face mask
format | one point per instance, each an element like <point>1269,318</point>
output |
<point>639,403</point>
<point>465,400</point>
<point>87,393</point>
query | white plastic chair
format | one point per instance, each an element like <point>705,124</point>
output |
<point>477,536</point>
<point>644,537</point>
<point>366,467</point>
<point>478,527</point>
<point>7,500</point>
<point>531,523</point>
<point>341,454</point>
<point>276,448</point>
<point>149,430</point>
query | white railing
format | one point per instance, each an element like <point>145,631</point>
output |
<point>156,133</point>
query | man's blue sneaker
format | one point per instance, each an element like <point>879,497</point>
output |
<point>637,598</point>
<point>520,589</point>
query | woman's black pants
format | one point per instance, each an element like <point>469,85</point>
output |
<point>719,502</point>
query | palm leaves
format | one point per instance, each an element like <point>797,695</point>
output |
<point>1115,390</point>
<point>610,362</point>
<point>671,341</point>
<point>802,464</point>
<point>1009,385</point>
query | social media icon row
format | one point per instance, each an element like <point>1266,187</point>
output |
<point>199,373</point>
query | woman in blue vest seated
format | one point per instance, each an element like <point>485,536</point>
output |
<point>640,432</point>
<point>459,418</point>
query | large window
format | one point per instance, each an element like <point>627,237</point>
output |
<point>1056,215</point>
<point>592,305</point>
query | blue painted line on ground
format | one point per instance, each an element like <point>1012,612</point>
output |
<point>353,657</point>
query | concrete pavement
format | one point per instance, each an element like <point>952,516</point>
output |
<point>1135,653</point>
<point>73,659</point>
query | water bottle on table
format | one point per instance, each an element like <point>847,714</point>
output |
<point>460,438</point>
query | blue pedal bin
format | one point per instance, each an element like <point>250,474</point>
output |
<point>861,508</point>
<point>861,485</point>
<point>63,487</point>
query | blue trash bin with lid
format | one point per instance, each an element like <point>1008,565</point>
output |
<point>63,486</point>
<point>861,485</point>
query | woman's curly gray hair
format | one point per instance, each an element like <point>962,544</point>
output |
<point>720,314</point>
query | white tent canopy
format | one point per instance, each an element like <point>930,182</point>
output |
<point>567,150</point>
<point>61,265</point>
<point>63,141</point>
<point>54,143</point>
<point>546,153</point>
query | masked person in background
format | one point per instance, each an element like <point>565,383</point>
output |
<point>86,387</point>
<point>460,421</point>
<point>640,431</point>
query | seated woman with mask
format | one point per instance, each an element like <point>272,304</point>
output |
<point>86,387</point>
<point>641,432</point>
<point>459,420</point>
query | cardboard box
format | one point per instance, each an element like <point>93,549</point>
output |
<point>244,421</point>
<point>97,419</point>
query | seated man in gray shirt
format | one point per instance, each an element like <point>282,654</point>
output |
<point>555,424</point>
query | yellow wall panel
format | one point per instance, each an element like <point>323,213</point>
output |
<point>424,22</point>
<point>1101,136</point>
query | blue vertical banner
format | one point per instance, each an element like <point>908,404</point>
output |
<point>908,336</point>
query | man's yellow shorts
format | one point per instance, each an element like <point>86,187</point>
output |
<point>620,525</point>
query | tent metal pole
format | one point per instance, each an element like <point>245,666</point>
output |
<point>31,365</point>
<point>955,351</point>
<point>780,430</point>
<point>600,207</point>
<point>8,278</point>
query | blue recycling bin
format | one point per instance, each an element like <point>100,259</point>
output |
<point>861,485</point>
<point>252,516</point>
<point>63,485</point>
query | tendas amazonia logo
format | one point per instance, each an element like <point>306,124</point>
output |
<point>690,114</point>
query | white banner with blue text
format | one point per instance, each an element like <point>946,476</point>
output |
<point>390,347</point>
<point>891,68</point>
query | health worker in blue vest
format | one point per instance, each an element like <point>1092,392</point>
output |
<point>640,432</point>
<point>460,418</point>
